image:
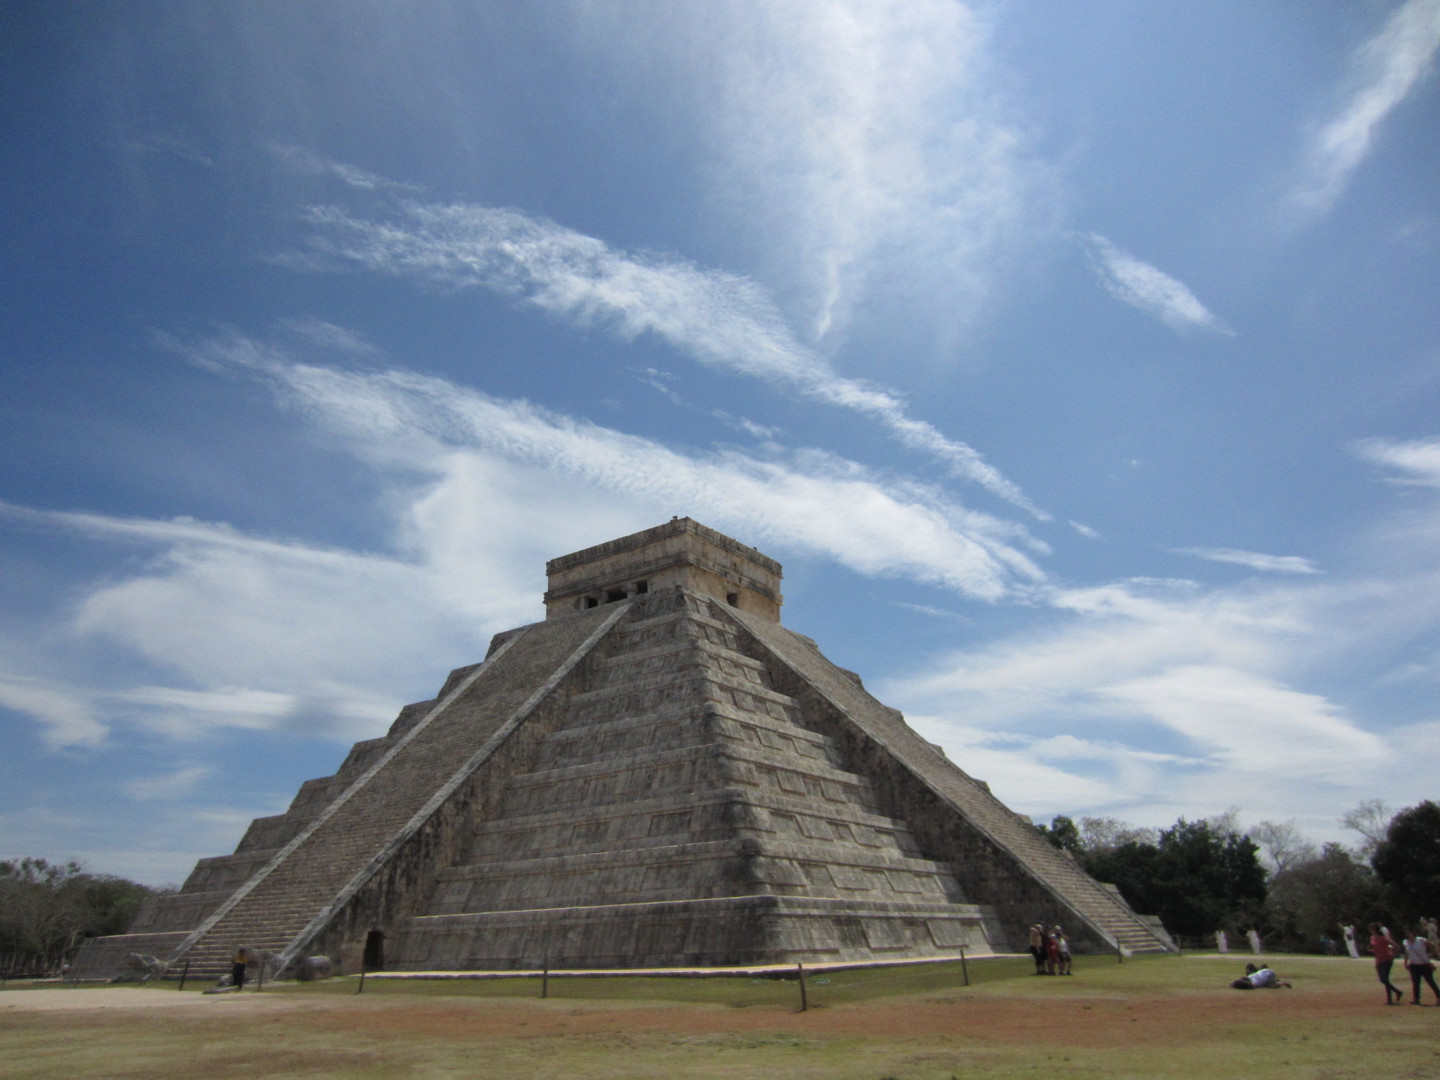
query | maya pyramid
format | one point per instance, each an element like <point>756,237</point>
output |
<point>659,774</point>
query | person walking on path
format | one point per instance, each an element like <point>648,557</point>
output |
<point>1383,949</point>
<point>1420,961</point>
<point>237,968</point>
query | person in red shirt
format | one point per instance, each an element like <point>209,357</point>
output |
<point>1052,952</point>
<point>1383,948</point>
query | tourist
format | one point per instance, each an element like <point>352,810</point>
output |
<point>1383,949</point>
<point>1052,953</point>
<point>1420,960</point>
<point>1259,979</point>
<point>237,967</point>
<point>1037,947</point>
<point>1350,946</point>
<point>1064,943</point>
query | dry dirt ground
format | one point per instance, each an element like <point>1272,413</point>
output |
<point>1089,1020</point>
<point>1118,1023</point>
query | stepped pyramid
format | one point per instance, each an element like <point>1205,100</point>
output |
<point>658,774</point>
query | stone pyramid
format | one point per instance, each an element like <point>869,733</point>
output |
<point>658,774</point>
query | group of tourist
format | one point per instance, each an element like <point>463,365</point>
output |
<point>1050,949</point>
<point>1418,952</point>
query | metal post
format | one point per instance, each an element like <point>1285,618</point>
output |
<point>184,973</point>
<point>361,989</point>
<point>964,967</point>
<point>545,979</point>
<point>804,1002</point>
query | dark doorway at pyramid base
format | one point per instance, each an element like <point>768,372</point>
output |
<point>374,956</point>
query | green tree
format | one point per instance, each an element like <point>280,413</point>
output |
<point>1197,877</point>
<point>1105,834</point>
<point>47,909</point>
<point>1407,861</point>
<point>1063,833</point>
<point>36,912</point>
<point>1319,895</point>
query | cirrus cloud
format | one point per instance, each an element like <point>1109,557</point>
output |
<point>1385,70</point>
<point>720,319</point>
<point>1152,291</point>
<point>1413,461</point>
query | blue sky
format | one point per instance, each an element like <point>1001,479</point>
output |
<point>1080,363</point>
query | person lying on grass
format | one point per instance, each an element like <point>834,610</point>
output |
<point>1259,978</point>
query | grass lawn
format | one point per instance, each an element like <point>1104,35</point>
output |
<point>1152,1017</point>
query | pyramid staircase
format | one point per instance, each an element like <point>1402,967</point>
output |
<point>679,797</point>
<point>287,901</point>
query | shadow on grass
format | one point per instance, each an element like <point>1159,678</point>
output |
<point>736,991</point>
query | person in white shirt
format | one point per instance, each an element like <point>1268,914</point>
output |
<point>1419,959</point>
<point>1259,978</point>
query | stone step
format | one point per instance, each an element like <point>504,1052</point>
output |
<point>738,759</point>
<point>352,832</point>
<point>681,656</point>
<point>579,744</point>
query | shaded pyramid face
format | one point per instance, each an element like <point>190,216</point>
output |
<point>658,774</point>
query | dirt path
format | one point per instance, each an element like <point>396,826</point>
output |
<point>93,999</point>
<point>1092,1020</point>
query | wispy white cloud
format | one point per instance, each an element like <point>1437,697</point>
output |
<point>662,382</point>
<point>1085,531</point>
<point>720,319</point>
<point>874,523</point>
<point>263,634</point>
<point>1113,633</point>
<point>1181,698</point>
<point>1025,772</point>
<point>750,427</point>
<point>1416,461</point>
<point>191,714</point>
<point>1280,564</point>
<point>1250,724</point>
<point>1384,71</point>
<point>1154,292</point>
<point>326,335</point>
<point>863,147</point>
<point>299,160</point>
<point>933,612</point>
<point>171,785</point>
<point>66,716</point>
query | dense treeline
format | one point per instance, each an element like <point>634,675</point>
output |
<point>1204,876</point>
<point>48,909</point>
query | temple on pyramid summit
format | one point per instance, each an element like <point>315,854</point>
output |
<point>658,774</point>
